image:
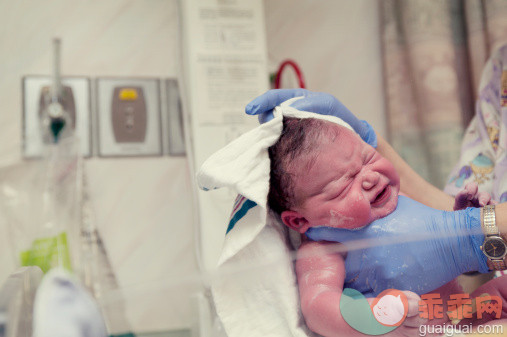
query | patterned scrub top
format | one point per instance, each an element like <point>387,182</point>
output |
<point>483,157</point>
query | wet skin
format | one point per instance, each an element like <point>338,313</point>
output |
<point>345,184</point>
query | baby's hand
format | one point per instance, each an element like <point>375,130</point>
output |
<point>471,197</point>
<point>413,321</point>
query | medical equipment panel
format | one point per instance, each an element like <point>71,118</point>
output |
<point>128,117</point>
<point>37,103</point>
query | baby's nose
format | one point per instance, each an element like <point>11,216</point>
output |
<point>370,179</point>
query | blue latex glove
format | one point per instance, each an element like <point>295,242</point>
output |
<point>438,253</point>
<point>317,102</point>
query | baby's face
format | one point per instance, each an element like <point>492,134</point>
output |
<point>348,185</point>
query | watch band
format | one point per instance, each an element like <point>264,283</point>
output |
<point>491,230</point>
<point>489,221</point>
<point>496,264</point>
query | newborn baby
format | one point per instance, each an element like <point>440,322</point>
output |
<point>345,184</point>
<point>323,174</point>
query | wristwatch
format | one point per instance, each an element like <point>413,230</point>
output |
<point>494,246</point>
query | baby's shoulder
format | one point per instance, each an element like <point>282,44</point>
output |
<point>321,248</point>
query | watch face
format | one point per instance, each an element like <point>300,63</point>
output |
<point>494,248</point>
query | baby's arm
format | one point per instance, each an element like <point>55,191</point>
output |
<point>494,287</point>
<point>321,276</point>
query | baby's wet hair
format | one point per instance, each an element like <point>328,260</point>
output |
<point>299,140</point>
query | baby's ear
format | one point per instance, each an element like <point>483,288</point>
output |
<point>295,220</point>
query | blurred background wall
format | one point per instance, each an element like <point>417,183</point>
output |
<point>337,45</point>
<point>142,206</point>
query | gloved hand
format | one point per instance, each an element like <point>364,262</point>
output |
<point>317,102</point>
<point>471,197</point>
<point>442,246</point>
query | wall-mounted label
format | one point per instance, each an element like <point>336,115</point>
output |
<point>224,44</point>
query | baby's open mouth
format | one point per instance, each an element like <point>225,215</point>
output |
<point>382,197</point>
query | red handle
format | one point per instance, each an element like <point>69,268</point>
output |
<point>296,68</point>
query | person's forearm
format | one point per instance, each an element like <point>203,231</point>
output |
<point>412,184</point>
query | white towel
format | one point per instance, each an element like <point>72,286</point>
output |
<point>63,308</point>
<point>256,293</point>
